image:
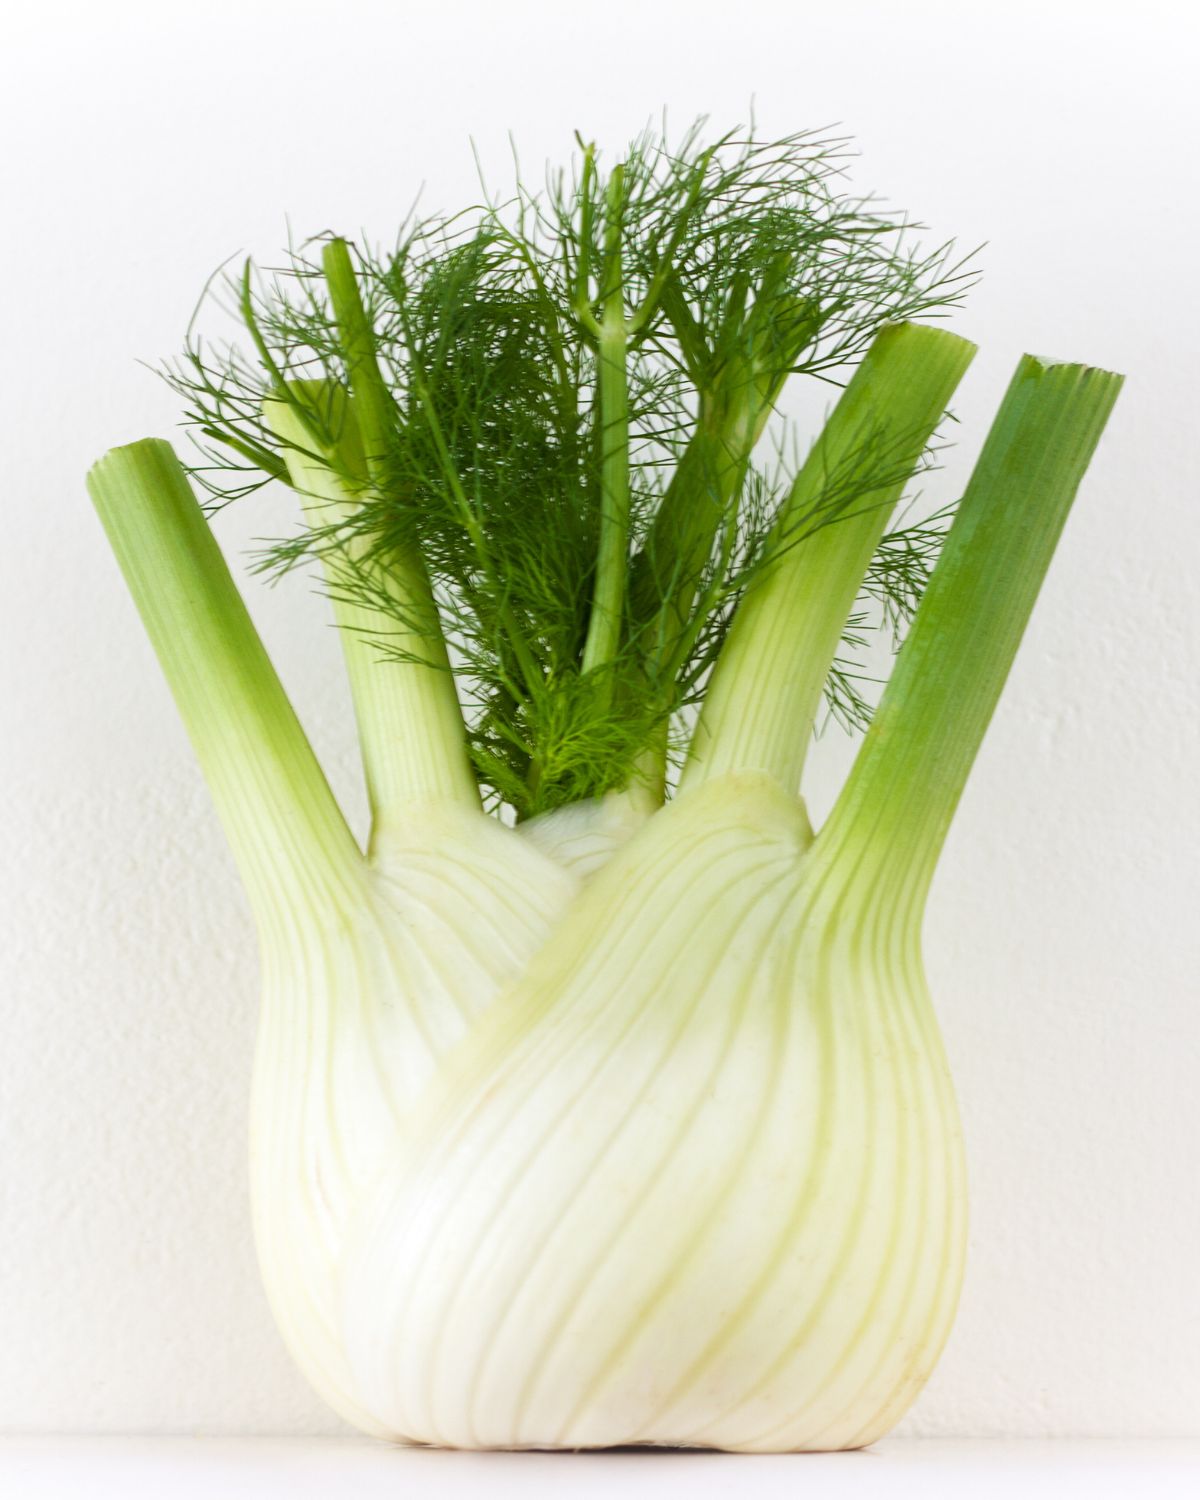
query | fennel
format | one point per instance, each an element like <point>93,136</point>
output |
<point>584,1116</point>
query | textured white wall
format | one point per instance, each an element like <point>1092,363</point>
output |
<point>145,143</point>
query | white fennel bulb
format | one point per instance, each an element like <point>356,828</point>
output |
<point>629,1123</point>
<point>696,1180</point>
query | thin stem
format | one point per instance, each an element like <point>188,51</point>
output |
<point>734,410</point>
<point>767,685</point>
<point>667,573</point>
<point>582,298</point>
<point>410,724</point>
<point>374,407</point>
<point>612,559</point>
<point>287,834</point>
<point>898,801</point>
<point>706,478</point>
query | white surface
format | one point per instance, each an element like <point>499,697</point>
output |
<point>296,1469</point>
<point>145,144</point>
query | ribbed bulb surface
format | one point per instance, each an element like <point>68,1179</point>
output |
<point>669,1155</point>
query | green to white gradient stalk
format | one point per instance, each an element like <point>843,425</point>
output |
<point>767,684</point>
<point>411,731</point>
<point>288,836</point>
<point>897,803</point>
<point>696,501</point>
<point>410,725</point>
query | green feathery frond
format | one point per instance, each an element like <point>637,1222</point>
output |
<point>570,387</point>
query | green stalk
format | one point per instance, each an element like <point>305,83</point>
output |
<point>288,836</point>
<point>752,357</point>
<point>708,476</point>
<point>766,688</point>
<point>897,803</point>
<point>410,724</point>
<point>612,381</point>
<point>374,407</point>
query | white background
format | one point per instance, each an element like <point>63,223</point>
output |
<point>142,145</point>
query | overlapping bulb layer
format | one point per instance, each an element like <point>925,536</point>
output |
<point>694,1178</point>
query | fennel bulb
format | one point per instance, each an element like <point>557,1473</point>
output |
<point>627,1122</point>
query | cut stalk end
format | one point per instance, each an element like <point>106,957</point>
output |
<point>759,712</point>
<point>287,833</point>
<point>898,801</point>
